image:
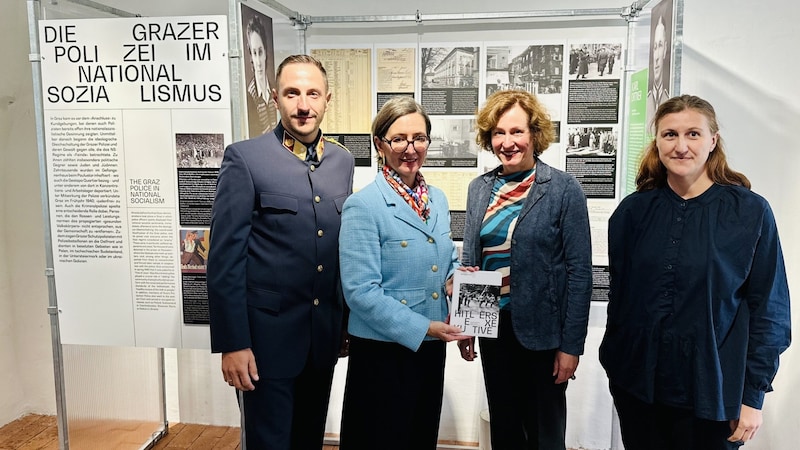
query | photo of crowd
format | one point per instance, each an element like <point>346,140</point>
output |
<point>588,61</point>
<point>478,297</point>
<point>592,141</point>
<point>199,150</point>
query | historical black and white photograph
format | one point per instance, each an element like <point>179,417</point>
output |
<point>592,141</point>
<point>658,86</point>
<point>199,150</point>
<point>452,143</point>
<point>478,297</point>
<point>450,77</point>
<point>538,69</point>
<point>595,61</point>
<point>591,157</point>
<point>449,67</point>
<point>259,62</point>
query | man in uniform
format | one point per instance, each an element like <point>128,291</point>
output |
<point>658,93</point>
<point>275,299</point>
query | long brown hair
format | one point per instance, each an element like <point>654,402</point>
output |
<point>652,173</point>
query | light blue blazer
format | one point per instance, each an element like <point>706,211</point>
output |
<point>394,265</point>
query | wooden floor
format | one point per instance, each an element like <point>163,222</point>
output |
<point>35,432</point>
<point>197,437</point>
<point>30,432</point>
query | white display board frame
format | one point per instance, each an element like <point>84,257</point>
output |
<point>301,23</point>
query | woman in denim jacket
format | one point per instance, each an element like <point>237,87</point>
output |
<point>529,222</point>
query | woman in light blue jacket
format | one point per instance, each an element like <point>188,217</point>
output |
<point>397,260</point>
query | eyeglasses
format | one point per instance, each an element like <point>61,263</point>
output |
<point>399,144</point>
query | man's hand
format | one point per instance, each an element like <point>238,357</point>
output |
<point>746,426</point>
<point>239,369</point>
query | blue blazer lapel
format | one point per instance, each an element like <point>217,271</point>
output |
<point>434,214</point>
<point>402,211</point>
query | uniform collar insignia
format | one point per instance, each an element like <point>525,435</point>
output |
<point>298,148</point>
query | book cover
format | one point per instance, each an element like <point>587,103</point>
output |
<point>475,305</point>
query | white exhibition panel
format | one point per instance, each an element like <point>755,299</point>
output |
<point>118,95</point>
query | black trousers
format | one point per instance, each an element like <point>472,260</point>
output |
<point>527,409</point>
<point>393,396</point>
<point>287,413</point>
<point>648,426</point>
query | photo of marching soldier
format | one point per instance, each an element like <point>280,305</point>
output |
<point>596,60</point>
<point>478,297</point>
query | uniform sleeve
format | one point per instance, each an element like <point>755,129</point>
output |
<point>360,262</point>
<point>768,302</point>
<point>227,261</point>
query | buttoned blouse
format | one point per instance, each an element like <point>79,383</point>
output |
<point>699,305</point>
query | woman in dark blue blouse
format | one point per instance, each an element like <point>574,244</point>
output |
<point>698,312</point>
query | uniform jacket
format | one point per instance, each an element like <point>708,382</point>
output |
<point>551,263</point>
<point>394,265</point>
<point>273,269</point>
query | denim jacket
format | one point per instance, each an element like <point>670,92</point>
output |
<point>551,261</point>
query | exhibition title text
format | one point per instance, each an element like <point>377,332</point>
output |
<point>157,80</point>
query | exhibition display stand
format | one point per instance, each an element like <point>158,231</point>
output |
<point>111,379</point>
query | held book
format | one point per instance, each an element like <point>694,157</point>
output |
<point>475,305</point>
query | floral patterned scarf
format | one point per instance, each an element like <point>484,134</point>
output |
<point>417,197</point>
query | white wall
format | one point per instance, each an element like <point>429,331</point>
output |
<point>26,369</point>
<point>740,57</point>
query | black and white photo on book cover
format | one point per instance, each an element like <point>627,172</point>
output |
<point>476,302</point>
